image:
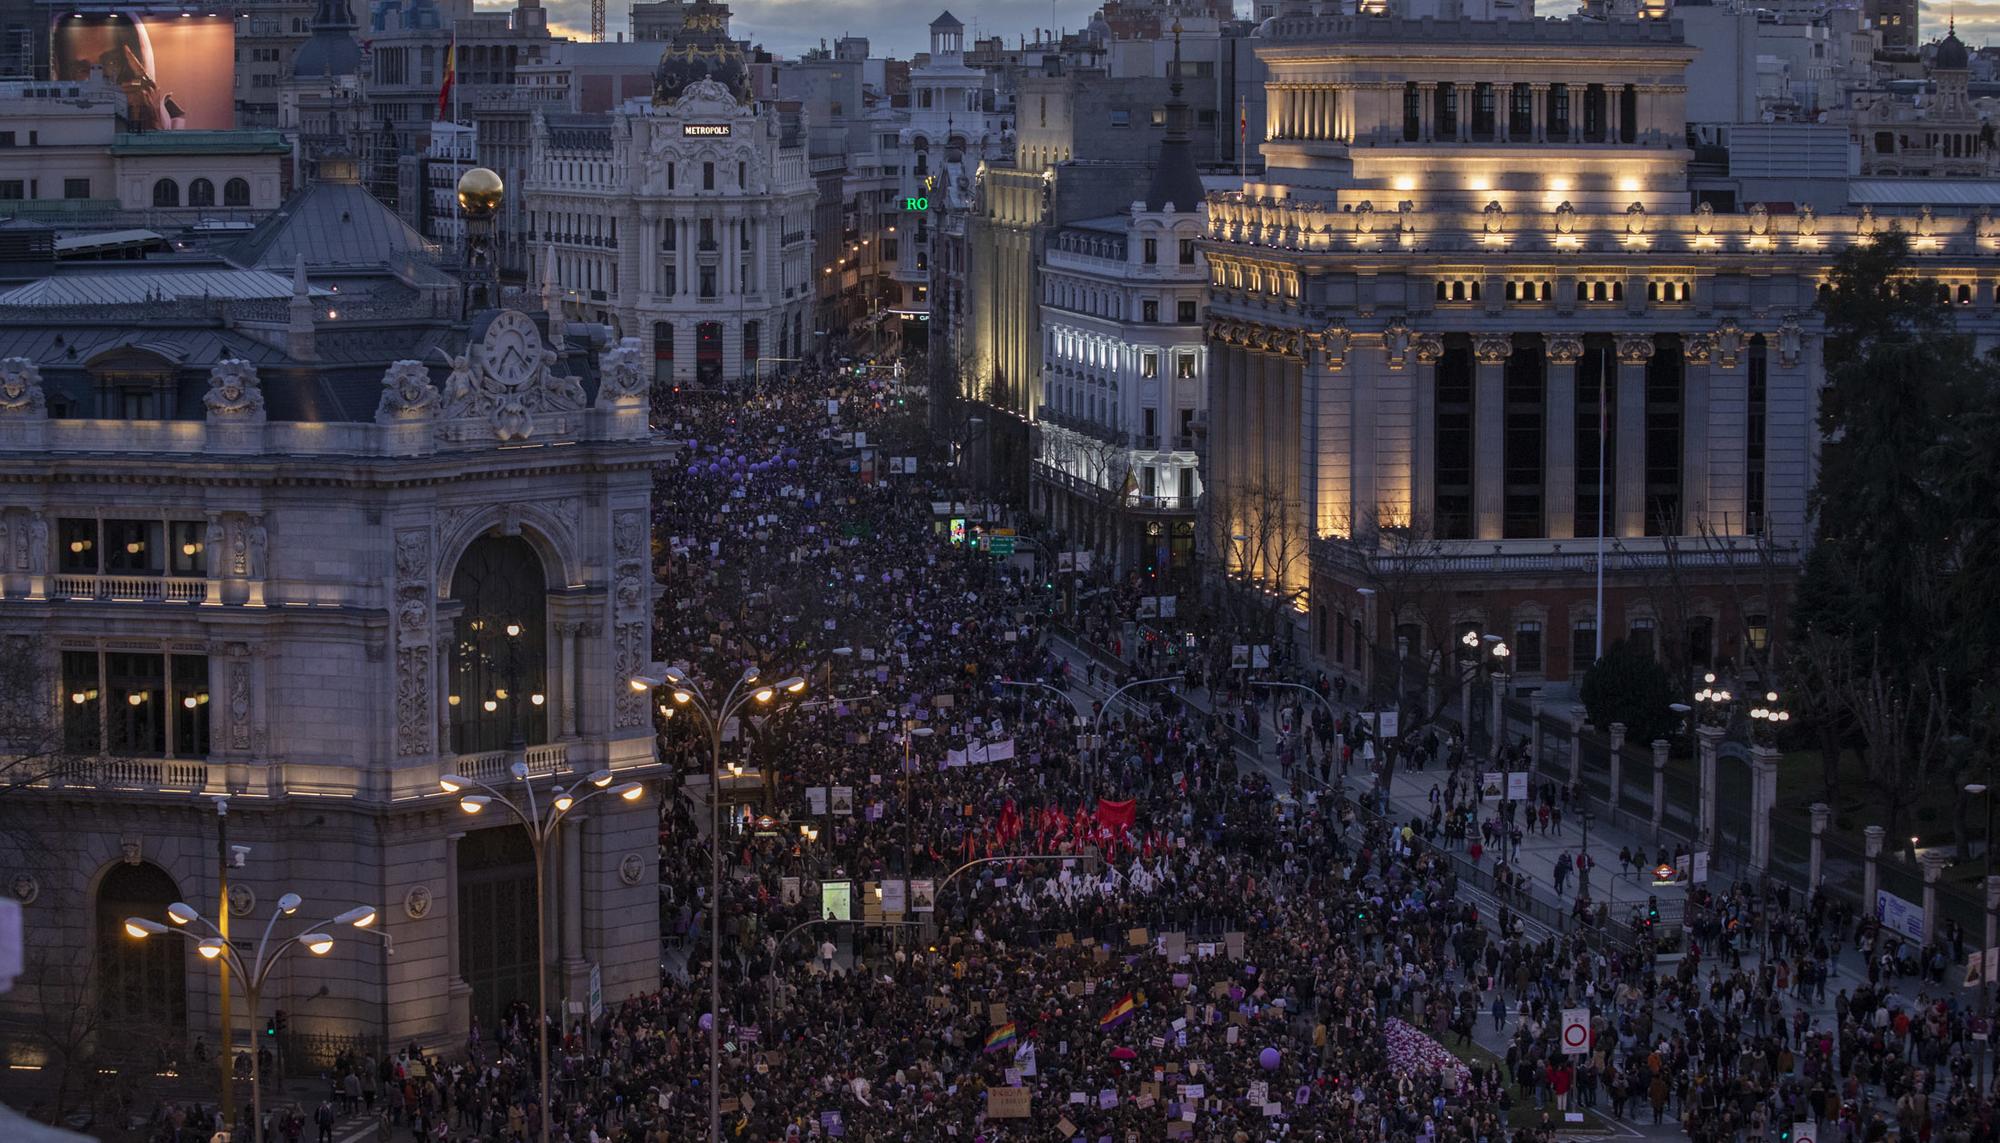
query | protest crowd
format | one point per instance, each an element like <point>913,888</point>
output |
<point>1144,937</point>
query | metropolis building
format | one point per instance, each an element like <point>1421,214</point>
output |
<point>1468,318</point>
<point>311,552</point>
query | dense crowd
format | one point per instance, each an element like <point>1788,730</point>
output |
<point>1148,938</point>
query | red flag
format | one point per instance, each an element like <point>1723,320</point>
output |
<point>1117,816</point>
<point>450,75</point>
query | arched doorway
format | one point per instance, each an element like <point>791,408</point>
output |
<point>141,984</point>
<point>708,353</point>
<point>499,653</point>
<point>496,922</point>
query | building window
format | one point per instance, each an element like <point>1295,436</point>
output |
<point>1483,100</point>
<point>752,340</point>
<point>1149,310</point>
<point>1151,246</point>
<point>1559,112</point>
<point>708,283</point>
<point>1642,636</point>
<point>1528,648</point>
<point>1413,112</point>
<point>1596,431</point>
<point>201,192</point>
<point>166,193</point>
<point>1663,438</point>
<point>1121,118</point>
<point>13,189</point>
<point>742,175</point>
<point>1523,444</point>
<point>1149,364</point>
<point>236,192</point>
<point>1753,475</point>
<point>1446,114</point>
<point>1757,631</point>
<point>1186,311</point>
<point>1452,486</point>
<point>76,188</point>
<point>708,176</point>
<point>1187,251</point>
<point>1184,365</point>
<point>1521,112</point>
<point>1628,114</point>
<point>1582,646</point>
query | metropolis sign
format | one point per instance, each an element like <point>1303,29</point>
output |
<point>704,129</point>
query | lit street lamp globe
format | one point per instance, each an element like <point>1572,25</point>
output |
<point>480,192</point>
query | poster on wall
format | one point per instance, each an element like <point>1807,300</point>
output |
<point>1899,915</point>
<point>177,70</point>
<point>836,901</point>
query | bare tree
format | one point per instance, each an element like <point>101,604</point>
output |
<point>1261,529</point>
<point>34,745</point>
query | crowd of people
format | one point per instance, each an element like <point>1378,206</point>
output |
<point>1132,933</point>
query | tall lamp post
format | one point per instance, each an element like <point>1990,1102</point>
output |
<point>251,975</point>
<point>715,716</point>
<point>542,826</point>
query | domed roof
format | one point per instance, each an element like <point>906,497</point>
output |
<point>1951,52</point>
<point>331,50</point>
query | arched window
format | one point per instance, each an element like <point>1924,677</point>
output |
<point>201,192</point>
<point>499,688</point>
<point>166,192</point>
<point>663,351</point>
<point>236,192</point>
<point>141,984</point>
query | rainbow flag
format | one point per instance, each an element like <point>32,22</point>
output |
<point>1000,1037</point>
<point>1120,1012</point>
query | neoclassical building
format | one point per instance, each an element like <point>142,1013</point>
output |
<point>313,554</point>
<point>685,222</point>
<point>1468,323</point>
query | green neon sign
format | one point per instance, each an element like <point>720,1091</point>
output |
<point>916,203</point>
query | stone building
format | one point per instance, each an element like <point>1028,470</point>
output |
<point>313,552</point>
<point>1468,323</point>
<point>686,222</point>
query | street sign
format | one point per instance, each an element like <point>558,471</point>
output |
<point>1001,545</point>
<point>1805,1132</point>
<point>1576,1031</point>
<point>596,993</point>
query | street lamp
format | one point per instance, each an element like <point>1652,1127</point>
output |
<point>742,693</point>
<point>542,829</point>
<point>252,974</point>
<point>1769,716</point>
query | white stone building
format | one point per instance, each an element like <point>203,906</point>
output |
<point>1474,247</point>
<point>685,222</point>
<point>313,553</point>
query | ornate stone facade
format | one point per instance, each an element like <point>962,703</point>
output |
<point>280,609</point>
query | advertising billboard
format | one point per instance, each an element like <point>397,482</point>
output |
<point>177,70</point>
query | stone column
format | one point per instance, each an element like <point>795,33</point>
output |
<point>458,1003</point>
<point>1822,815</point>
<point>1628,517</point>
<point>1559,437</point>
<point>1763,798</point>
<point>571,633</point>
<point>1933,863</point>
<point>1427,111</point>
<point>1617,761</point>
<point>1423,457</point>
<point>1535,731</point>
<point>1708,740</point>
<point>1503,110</point>
<point>1576,717</point>
<point>1489,448</point>
<point>1540,97</point>
<point>1871,844</point>
<point>214,552</point>
<point>1659,786</point>
<point>1695,450</point>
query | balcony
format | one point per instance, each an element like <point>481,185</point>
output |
<point>163,775</point>
<point>1551,557</point>
<point>148,588</point>
<point>496,766</point>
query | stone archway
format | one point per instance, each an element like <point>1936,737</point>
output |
<point>141,985</point>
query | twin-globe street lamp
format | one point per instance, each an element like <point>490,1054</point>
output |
<point>316,940</point>
<point>541,828</point>
<point>715,717</point>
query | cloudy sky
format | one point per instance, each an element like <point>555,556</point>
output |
<point>900,27</point>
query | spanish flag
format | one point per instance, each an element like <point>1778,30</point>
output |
<point>1000,1037</point>
<point>450,75</point>
<point>1120,1012</point>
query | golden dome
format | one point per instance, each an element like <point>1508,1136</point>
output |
<point>480,192</point>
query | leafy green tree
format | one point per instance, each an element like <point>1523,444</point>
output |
<point>1629,685</point>
<point>1888,627</point>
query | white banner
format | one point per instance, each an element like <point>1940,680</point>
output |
<point>816,800</point>
<point>1700,874</point>
<point>979,753</point>
<point>923,895</point>
<point>893,899</point>
<point>1517,786</point>
<point>1898,915</point>
<point>843,800</point>
<point>1576,1032</point>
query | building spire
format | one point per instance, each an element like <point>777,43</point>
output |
<point>1175,179</point>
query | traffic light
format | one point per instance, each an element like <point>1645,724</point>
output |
<point>280,1021</point>
<point>1652,911</point>
<point>271,1026</point>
